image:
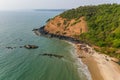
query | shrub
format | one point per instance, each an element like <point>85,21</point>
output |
<point>116,43</point>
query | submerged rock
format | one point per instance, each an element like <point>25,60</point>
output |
<point>20,46</point>
<point>30,46</point>
<point>52,55</point>
<point>9,47</point>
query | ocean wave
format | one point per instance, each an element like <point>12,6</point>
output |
<point>82,68</point>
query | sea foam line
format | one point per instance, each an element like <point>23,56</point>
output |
<point>81,66</point>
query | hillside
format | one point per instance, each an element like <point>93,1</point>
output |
<point>62,26</point>
<point>96,25</point>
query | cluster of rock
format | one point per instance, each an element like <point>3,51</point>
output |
<point>52,55</point>
<point>42,31</point>
<point>86,48</point>
<point>9,47</point>
<point>25,46</point>
<point>89,50</point>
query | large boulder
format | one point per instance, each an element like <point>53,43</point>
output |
<point>30,46</point>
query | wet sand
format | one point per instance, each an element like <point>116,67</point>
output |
<point>101,66</point>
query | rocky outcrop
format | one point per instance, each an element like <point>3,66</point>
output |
<point>63,29</point>
<point>43,32</point>
<point>61,26</point>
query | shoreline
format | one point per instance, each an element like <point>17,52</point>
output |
<point>79,61</point>
<point>89,62</point>
<point>100,66</point>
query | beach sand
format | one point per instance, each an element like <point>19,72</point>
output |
<point>101,66</point>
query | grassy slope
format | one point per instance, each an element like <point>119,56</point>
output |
<point>104,26</point>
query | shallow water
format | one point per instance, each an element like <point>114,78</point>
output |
<point>24,64</point>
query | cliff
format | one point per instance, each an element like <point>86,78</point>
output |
<point>62,26</point>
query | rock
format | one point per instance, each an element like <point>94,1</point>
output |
<point>52,55</point>
<point>81,57</point>
<point>31,46</point>
<point>9,47</point>
<point>35,29</point>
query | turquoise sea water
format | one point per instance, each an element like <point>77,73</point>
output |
<point>23,64</point>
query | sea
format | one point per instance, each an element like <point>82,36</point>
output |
<point>19,63</point>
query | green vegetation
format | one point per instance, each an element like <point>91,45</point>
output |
<point>75,22</point>
<point>103,23</point>
<point>65,22</point>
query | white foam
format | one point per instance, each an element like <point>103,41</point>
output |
<point>81,66</point>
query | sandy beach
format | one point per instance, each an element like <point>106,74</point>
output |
<point>101,66</point>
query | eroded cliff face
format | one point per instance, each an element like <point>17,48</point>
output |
<point>61,26</point>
